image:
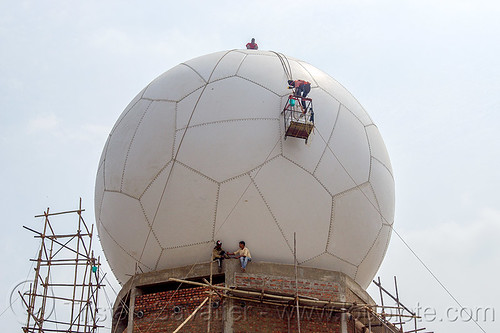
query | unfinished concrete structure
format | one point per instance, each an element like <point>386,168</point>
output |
<point>266,298</point>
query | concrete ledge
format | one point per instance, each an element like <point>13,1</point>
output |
<point>231,267</point>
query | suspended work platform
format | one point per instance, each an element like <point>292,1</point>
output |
<point>298,116</point>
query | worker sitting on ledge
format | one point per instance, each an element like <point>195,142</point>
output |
<point>302,88</point>
<point>243,254</point>
<point>218,254</point>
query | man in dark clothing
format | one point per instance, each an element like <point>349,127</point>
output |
<point>218,254</point>
<point>252,45</point>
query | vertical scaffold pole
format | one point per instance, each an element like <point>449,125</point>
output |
<point>296,280</point>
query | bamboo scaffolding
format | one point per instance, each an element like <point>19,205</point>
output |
<point>83,288</point>
<point>400,309</point>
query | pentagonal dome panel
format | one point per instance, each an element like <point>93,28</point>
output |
<point>208,150</point>
<point>374,257</point>
<point>298,202</point>
<point>350,146</point>
<point>251,221</point>
<point>155,135</point>
<point>354,230</point>
<point>186,212</point>
<point>174,84</point>
<point>119,143</point>
<point>383,185</point>
<point>124,208</point>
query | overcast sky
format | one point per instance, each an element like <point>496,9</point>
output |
<point>427,72</point>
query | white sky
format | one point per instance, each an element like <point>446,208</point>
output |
<point>428,73</point>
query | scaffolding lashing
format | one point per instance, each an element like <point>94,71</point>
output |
<point>298,117</point>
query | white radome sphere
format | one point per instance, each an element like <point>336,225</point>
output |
<point>200,155</point>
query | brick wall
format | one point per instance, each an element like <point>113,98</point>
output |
<point>256,317</point>
<point>324,290</point>
<point>159,315</point>
<point>260,318</point>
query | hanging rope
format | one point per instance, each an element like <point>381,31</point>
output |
<point>285,64</point>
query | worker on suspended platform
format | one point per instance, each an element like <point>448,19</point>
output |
<point>302,88</point>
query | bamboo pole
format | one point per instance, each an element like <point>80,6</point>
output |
<point>191,315</point>
<point>369,322</point>
<point>210,299</point>
<point>296,281</point>
<point>385,323</point>
<point>390,295</point>
<point>258,294</point>
<point>398,303</point>
<point>59,213</point>
<point>281,304</point>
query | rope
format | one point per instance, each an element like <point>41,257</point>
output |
<point>285,64</point>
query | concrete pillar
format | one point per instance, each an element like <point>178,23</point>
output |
<point>230,267</point>
<point>130,324</point>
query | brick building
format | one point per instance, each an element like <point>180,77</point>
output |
<point>260,300</point>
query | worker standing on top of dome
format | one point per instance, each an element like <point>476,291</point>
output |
<point>302,88</point>
<point>252,45</point>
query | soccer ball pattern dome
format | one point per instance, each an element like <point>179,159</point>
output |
<point>199,155</point>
